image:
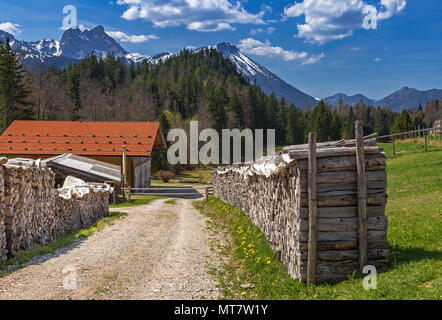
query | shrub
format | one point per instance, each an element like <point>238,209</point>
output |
<point>165,175</point>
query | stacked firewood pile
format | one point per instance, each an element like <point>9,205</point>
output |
<point>33,212</point>
<point>274,194</point>
<point>80,212</point>
<point>3,251</point>
<point>29,214</point>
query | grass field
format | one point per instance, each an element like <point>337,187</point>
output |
<point>199,176</point>
<point>136,201</point>
<point>415,236</point>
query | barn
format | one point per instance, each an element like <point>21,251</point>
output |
<point>101,141</point>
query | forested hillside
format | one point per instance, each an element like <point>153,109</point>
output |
<point>201,85</point>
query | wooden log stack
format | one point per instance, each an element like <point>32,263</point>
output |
<point>29,213</point>
<point>3,250</point>
<point>279,205</point>
<point>32,213</point>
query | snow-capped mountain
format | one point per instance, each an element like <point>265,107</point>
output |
<point>76,44</point>
<point>73,46</point>
<point>348,100</point>
<point>268,81</point>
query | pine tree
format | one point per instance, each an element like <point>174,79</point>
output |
<point>335,126</point>
<point>319,122</point>
<point>281,123</point>
<point>13,92</point>
<point>295,126</point>
<point>164,123</point>
<point>349,125</point>
<point>74,92</point>
<point>402,123</point>
<point>216,107</point>
<point>237,110</point>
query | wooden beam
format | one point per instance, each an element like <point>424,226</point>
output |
<point>312,241</point>
<point>362,197</point>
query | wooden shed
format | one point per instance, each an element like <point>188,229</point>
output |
<point>102,141</point>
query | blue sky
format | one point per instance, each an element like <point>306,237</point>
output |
<point>322,47</point>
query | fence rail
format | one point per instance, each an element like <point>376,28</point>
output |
<point>425,133</point>
<point>437,130</point>
<point>168,191</point>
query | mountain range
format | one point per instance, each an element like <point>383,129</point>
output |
<point>76,44</point>
<point>348,100</point>
<point>405,98</point>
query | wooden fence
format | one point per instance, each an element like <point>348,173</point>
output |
<point>435,133</point>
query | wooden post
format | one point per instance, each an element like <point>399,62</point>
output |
<point>419,131</point>
<point>362,196</point>
<point>394,150</point>
<point>426,142</point>
<point>124,167</point>
<point>312,204</point>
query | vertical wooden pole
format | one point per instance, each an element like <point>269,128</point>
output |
<point>124,167</point>
<point>394,150</point>
<point>419,131</point>
<point>426,142</point>
<point>312,204</point>
<point>362,196</point>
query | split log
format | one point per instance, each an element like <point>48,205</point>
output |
<point>347,224</point>
<point>343,212</point>
<point>346,255</point>
<point>370,140</point>
<point>333,152</point>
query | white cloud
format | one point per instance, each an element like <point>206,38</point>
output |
<point>327,20</point>
<point>259,48</point>
<point>355,49</point>
<point>210,26</point>
<point>314,59</point>
<point>121,36</point>
<point>198,15</point>
<point>269,31</point>
<point>265,49</point>
<point>377,59</point>
<point>9,27</point>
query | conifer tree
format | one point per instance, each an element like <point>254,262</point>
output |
<point>402,123</point>
<point>13,91</point>
<point>295,126</point>
<point>335,126</point>
<point>319,122</point>
<point>74,92</point>
<point>237,110</point>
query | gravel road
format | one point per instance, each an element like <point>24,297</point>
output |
<point>159,251</point>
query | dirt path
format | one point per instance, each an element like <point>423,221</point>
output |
<point>158,251</point>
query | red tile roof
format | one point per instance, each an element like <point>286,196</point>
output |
<point>80,138</point>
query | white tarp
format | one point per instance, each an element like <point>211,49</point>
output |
<point>73,186</point>
<point>265,166</point>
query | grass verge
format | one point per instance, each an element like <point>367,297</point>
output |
<point>414,211</point>
<point>24,257</point>
<point>136,201</point>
